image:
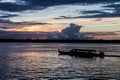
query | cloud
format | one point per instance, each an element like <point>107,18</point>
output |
<point>58,35</point>
<point>21,35</point>
<point>8,15</point>
<point>70,32</point>
<point>109,10</point>
<point>14,7</point>
<point>101,33</point>
<point>8,25</point>
<point>7,21</point>
<point>71,29</point>
<point>63,2</point>
<point>104,10</point>
<point>23,5</point>
<point>92,14</point>
<point>115,7</point>
<point>66,17</point>
<point>104,35</point>
<point>32,5</point>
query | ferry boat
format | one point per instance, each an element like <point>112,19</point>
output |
<point>82,53</point>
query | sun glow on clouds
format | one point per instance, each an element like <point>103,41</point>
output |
<point>37,28</point>
<point>89,25</point>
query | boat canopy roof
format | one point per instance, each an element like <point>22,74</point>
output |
<point>84,50</point>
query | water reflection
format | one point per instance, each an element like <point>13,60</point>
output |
<point>41,61</point>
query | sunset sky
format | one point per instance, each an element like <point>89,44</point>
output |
<point>60,19</point>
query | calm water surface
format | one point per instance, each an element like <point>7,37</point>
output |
<point>40,61</point>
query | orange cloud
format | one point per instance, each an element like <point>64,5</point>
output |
<point>33,28</point>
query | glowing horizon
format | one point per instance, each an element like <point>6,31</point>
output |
<point>24,16</point>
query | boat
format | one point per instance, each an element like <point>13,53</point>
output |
<point>82,53</point>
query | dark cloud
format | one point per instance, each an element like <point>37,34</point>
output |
<point>109,10</point>
<point>113,5</point>
<point>66,17</point>
<point>14,7</point>
<point>113,8</point>
<point>103,15</point>
<point>71,31</point>
<point>103,35</point>
<point>8,24</point>
<point>11,22</point>
<point>5,21</point>
<point>41,4</point>
<point>18,35</point>
<point>8,15</point>
<point>94,14</point>
<point>20,23</point>
<point>62,2</point>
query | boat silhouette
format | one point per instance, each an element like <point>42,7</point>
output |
<point>82,53</point>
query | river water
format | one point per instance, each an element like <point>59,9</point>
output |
<point>40,61</point>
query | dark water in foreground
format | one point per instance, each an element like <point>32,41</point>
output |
<point>40,61</point>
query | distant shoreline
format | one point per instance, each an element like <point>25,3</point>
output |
<point>59,41</point>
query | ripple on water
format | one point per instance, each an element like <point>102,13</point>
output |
<point>41,62</point>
